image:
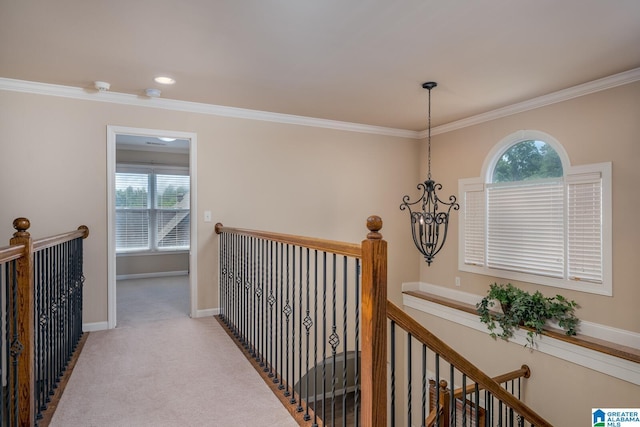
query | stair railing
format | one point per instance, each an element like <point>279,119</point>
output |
<point>312,316</point>
<point>497,405</point>
<point>41,309</point>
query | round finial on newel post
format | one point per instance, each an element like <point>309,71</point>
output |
<point>218,227</point>
<point>22,225</point>
<point>374,224</point>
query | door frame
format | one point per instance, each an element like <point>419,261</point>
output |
<point>112,132</point>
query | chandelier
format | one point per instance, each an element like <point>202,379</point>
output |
<point>429,225</point>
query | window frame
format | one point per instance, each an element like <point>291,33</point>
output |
<point>476,188</point>
<point>152,171</point>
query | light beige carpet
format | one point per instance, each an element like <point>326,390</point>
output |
<point>146,300</point>
<point>169,372</point>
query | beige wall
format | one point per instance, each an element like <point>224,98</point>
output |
<point>321,182</point>
<point>562,392</point>
<point>151,264</point>
<point>286,178</point>
<point>601,127</point>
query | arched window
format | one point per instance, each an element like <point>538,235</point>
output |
<point>527,161</point>
<point>533,217</point>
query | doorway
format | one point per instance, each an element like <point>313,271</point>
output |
<point>151,200</point>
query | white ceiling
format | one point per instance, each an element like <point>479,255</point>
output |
<point>360,61</point>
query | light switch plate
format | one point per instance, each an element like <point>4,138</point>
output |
<point>207,216</point>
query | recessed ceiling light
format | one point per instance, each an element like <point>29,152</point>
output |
<point>164,80</point>
<point>166,139</point>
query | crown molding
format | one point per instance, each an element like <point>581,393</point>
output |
<point>195,107</point>
<point>604,83</point>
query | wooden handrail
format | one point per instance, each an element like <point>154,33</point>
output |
<point>9,253</point>
<point>524,371</point>
<point>417,331</point>
<point>47,242</point>
<point>331,246</point>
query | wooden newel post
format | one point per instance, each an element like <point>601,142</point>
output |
<point>24,346</point>
<point>374,326</point>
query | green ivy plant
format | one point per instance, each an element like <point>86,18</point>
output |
<point>520,308</point>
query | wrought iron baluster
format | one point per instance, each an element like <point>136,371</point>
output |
<point>252,297</point>
<point>242,281</point>
<point>302,323</point>
<point>56,318</point>
<point>259,294</point>
<point>293,326</point>
<point>344,338</point>
<point>409,375</point>
<point>278,344</point>
<point>356,362</point>
<point>307,324</point>
<point>477,406</point>
<point>393,373</point>
<point>16,347</point>
<point>4,297</point>
<point>424,385</point>
<point>221,274</point>
<point>453,414</point>
<point>39,350</point>
<point>324,335</point>
<point>334,341</point>
<point>271,300</point>
<point>437,368</point>
<point>287,312</point>
<point>464,399</point>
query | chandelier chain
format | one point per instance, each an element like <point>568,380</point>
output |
<point>429,139</point>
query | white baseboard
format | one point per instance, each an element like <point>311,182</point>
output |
<point>592,359</point>
<point>96,326</point>
<point>207,312</point>
<point>152,275</point>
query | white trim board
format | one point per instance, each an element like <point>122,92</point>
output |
<point>605,83</point>
<point>208,312</point>
<point>592,359</point>
<point>112,131</point>
<point>95,326</point>
<point>152,275</point>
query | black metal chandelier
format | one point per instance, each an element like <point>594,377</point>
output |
<point>429,225</point>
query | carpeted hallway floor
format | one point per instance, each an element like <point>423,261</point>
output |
<point>168,371</point>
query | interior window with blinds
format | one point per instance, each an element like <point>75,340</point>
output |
<point>536,222</point>
<point>152,209</point>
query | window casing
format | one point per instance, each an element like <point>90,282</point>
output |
<point>152,209</point>
<point>549,231</point>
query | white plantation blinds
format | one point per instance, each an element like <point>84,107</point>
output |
<point>132,213</point>
<point>552,231</point>
<point>172,216</point>
<point>152,209</point>
<point>474,224</point>
<point>525,227</point>
<point>584,223</point>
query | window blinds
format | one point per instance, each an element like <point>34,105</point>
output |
<point>132,214</point>
<point>584,227</point>
<point>525,227</point>
<point>474,224</point>
<point>152,209</point>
